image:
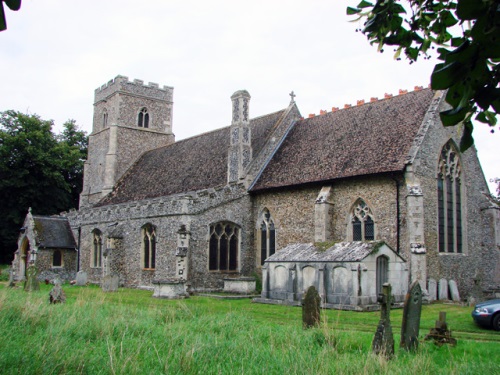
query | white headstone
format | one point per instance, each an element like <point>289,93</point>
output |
<point>443,289</point>
<point>455,296</point>
<point>432,288</point>
<point>81,278</point>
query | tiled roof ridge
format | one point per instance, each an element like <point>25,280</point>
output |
<point>373,99</point>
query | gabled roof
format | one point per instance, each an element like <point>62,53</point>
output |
<point>375,137</point>
<point>192,164</point>
<point>53,232</point>
<point>340,252</point>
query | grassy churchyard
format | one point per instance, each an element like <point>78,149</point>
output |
<point>129,332</point>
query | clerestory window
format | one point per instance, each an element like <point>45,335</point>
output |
<point>96,260</point>
<point>149,246</point>
<point>143,118</point>
<point>449,190</point>
<point>363,226</point>
<point>267,236</point>
<point>224,247</point>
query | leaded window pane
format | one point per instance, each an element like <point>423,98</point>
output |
<point>458,208</point>
<point>213,253</point>
<point>369,229</point>
<point>233,253</point>
<point>449,214</point>
<point>223,252</point>
<point>441,225</point>
<point>356,230</point>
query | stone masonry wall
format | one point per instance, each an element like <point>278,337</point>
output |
<point>475,267</point>
<point>44,263</point>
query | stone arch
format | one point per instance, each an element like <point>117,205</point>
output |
<point>280,278</point>
<point>309,277</point>
<point>265,235</point>
<point>24,253</point>
<point>144,118</point>
<point>361,222</point>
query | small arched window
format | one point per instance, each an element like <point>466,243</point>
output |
<point>449,201</point>
<point>57,258</point>
<point>267,236</point>
<point>96,261</point>
<point>143,118</point>
<point>105,119</point>
<point>363,226</point>
<point>149,246</point>
<point>223,247</point>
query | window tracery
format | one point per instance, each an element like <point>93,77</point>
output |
<point>224,247</point>
<point>143,118</point>
<point>97,249</point>
<point>149,246</point>
<point>267,236</point>
<point>363,226</point>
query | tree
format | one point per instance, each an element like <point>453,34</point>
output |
<point>467,36</point>
<point>37,169</point>
<point>13,5</point>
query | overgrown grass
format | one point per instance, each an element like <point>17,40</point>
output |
<point>128,332</point>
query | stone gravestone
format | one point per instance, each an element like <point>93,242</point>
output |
<point>110,283</point>
<point>11,278</point>
<point>411,318</point>
<point>81,278</point>
<point>440,333</point>
<point>383,342</point>
<point>455,296</point>
<point>432,288</point>
<point>31,284</point>
<point>57,294</point>
<point>311,308</point>
<point>443,289</point>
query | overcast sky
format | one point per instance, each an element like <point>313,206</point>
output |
<point>55,53</point>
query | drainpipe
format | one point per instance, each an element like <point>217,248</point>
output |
<point>78,250</point>
<point>398,214</point>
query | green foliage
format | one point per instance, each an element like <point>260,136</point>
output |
<point>467,34</point>
<point>37,170</point>
<point>13,5</point>
<point>128,332</point>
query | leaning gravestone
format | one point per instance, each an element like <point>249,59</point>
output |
<point>31,284</point>
<point>12,283</point>
<point>110,283</point>
<point>432,288</point>
<point>411,318</point>
<point>383,342</point>
<point>57,294</point>
<point>311,308</point>
<point>81,278</point>
<point>455,296</point>
<point>443,290</point>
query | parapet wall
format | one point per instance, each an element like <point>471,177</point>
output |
<point>137,87</point>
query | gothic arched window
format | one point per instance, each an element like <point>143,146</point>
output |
<point>149,246</point>
<point>267,236</point>
<point>449,201</point>
<point>143,118</point>
<point>223,247</point>
<point>96,249</point>
<point>363,226</point>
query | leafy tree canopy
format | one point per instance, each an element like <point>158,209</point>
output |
<point>13,5</point>
<point>37,169</point>
<point>467,36</point>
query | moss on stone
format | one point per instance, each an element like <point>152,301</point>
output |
<point>323,246</point>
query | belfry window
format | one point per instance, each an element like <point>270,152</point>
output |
<point>143,118</point>
<point>149,246</point>
<point>223,247</point>
<point>363,226</point>
<point>96,261</point>
<point>449,201</point>
<point>267,236</point>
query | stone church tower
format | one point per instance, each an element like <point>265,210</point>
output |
<point>130,118</point>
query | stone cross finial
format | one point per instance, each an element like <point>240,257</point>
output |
<point>292,95</point>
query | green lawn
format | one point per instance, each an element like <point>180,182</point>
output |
<point>128,332</point>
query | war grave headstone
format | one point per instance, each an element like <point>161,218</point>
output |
<point>383,342</point>
<point>432,288</point>
<point>110,283</point>
<point>453,288</point>
<point>311,308</point>
<point>31,284</point>
<point>411,318</point>
<point>443,290</point>
<point>81,278</point>
<point>57,294</point>
<point>440,333</point>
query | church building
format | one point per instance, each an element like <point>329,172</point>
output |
<point>217,205</point>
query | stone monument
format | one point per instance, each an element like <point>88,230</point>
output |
<point>110,283</point>
<point>57,294</point>
<point>81,278</point>
<point>31,284</point>
<point>411,318</point>
<point>383,342</point>
<point>311,308</point>
<point>440,333</point>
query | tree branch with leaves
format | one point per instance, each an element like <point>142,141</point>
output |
<point>466,36</point>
